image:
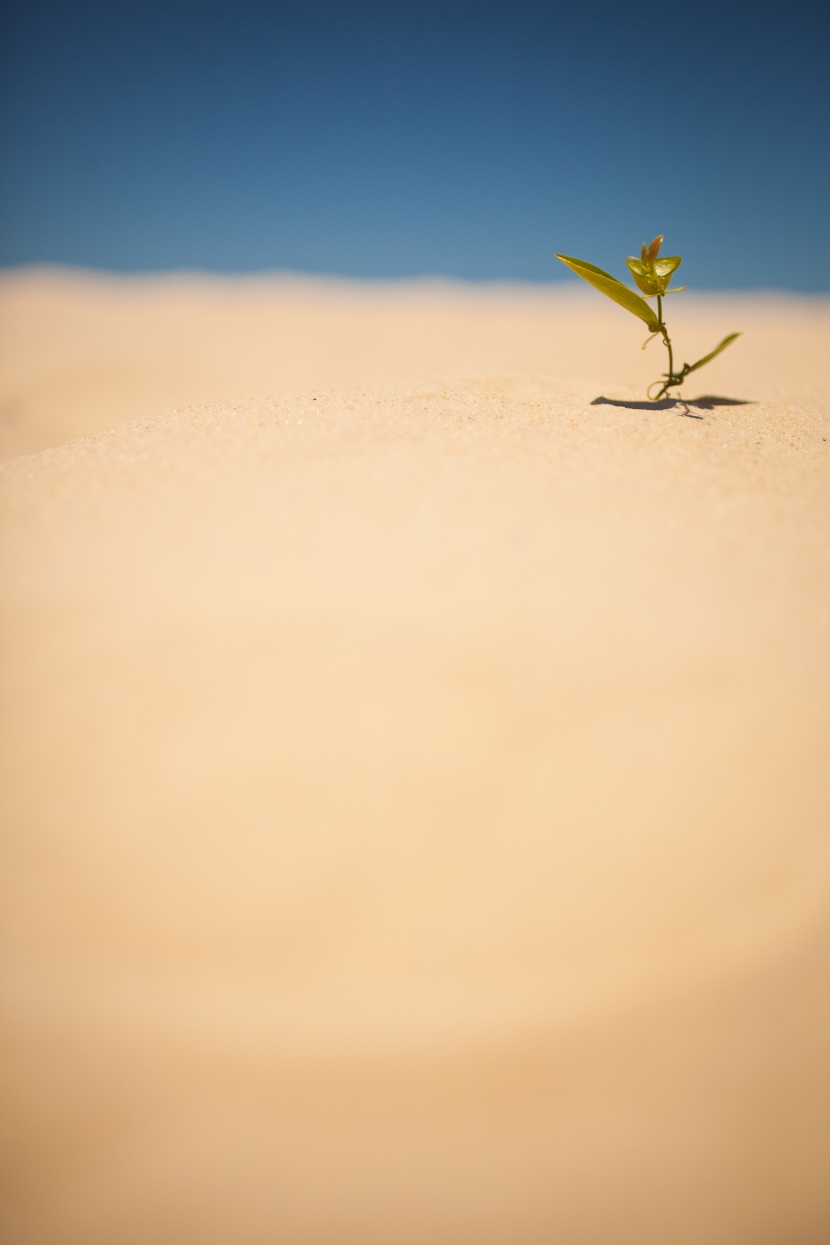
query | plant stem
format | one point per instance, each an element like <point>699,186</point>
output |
<point>672,379</point>
<point>665,333</point>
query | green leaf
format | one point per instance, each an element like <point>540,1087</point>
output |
<point>643,277</point>
<point>613,289</point>
<point>665,267</point>
<point>652,276</point>
<point>727,341</point>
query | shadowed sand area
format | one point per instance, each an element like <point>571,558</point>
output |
<point>416,799</point>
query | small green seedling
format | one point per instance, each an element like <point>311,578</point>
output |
<point>652,276</point>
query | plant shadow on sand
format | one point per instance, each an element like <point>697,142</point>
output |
<point>706,402</point>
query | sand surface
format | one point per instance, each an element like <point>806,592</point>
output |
<point>81,352</point>
<point>416,799</point>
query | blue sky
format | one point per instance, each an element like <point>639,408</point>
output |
<point>401,139</point>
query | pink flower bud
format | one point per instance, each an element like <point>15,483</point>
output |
<point>653,249</point>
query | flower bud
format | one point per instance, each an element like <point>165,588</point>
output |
<point>653,249</point>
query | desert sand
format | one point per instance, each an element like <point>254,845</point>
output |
<point>417,767</point>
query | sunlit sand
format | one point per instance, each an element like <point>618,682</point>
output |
<point>417,767</point>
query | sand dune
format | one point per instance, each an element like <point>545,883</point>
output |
<point>417,792</point>
<point>80,352</point>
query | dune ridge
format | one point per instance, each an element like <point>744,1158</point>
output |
<point>81,351</point>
